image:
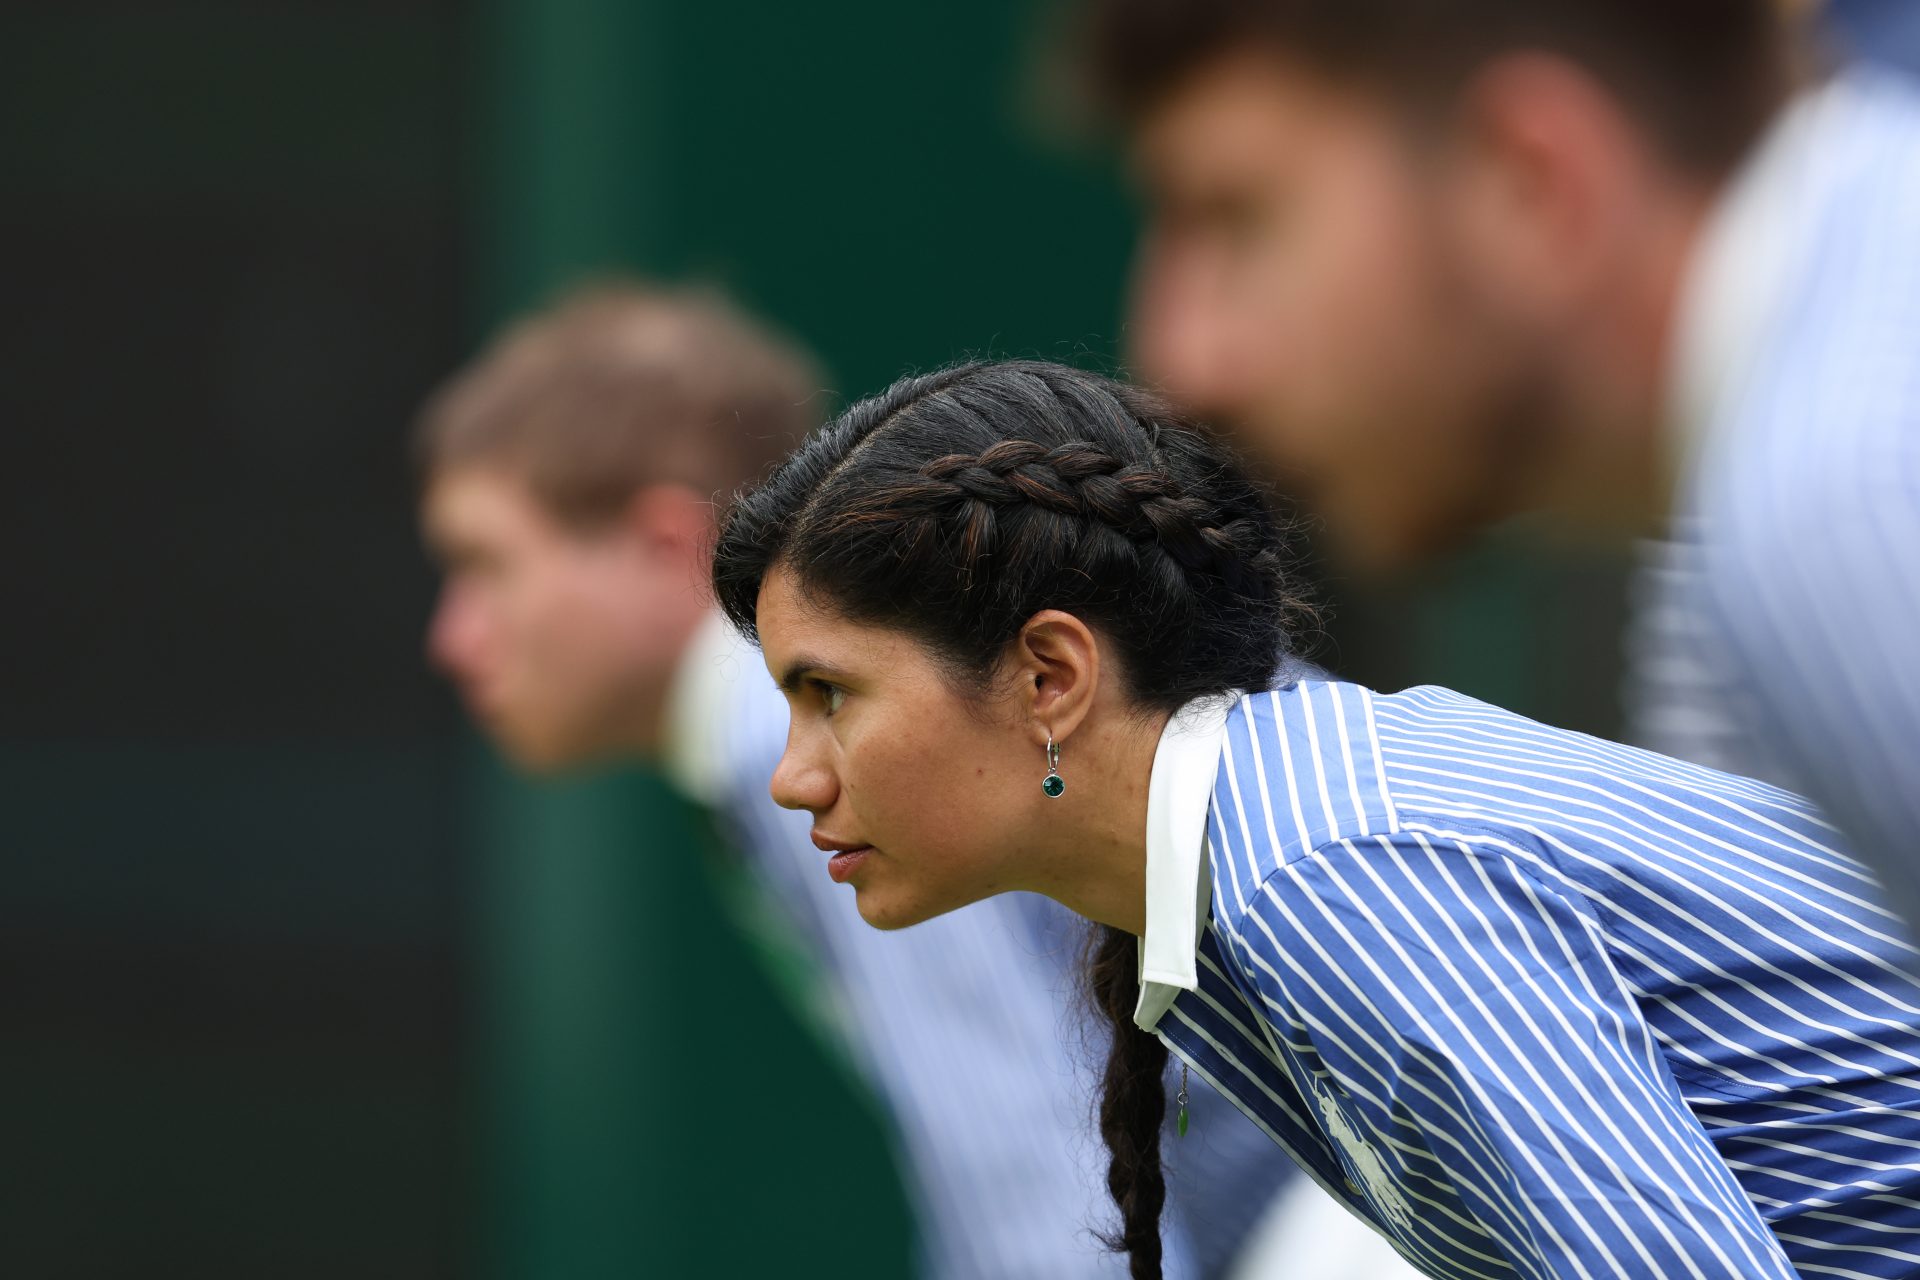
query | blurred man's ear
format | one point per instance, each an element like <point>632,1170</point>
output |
<point>1554,167</point>
<point>673,521</point>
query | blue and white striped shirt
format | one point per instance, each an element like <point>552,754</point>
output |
<point>1532,1003</point>
<point>1780,635</point>
<point>967,1026</point>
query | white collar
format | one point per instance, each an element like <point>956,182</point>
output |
<point>693,745</point>
<point>1179,880</point>
<point>1750,251</point>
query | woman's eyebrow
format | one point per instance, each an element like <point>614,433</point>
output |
<point>802,667</point>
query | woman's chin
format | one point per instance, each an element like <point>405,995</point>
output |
<point>885,910</point>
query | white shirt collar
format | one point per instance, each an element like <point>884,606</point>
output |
<point>1750,250</point>
<point>693,746</point>
<point>1179,880</point>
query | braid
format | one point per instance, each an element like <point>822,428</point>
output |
<point>1138,500</point>
<point>1133,1104</point>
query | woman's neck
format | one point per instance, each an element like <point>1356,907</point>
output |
<point>1096,860</point>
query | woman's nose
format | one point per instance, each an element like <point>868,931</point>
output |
<point>798,784</point>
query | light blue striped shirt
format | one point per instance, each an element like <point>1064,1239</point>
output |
<point>1779,634</point>
<point>1532,1003</point>
<point>968,1027</point>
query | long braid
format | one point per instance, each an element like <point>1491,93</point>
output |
<point>1133,1103</point>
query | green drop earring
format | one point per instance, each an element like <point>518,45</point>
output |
<point>1053,784</point>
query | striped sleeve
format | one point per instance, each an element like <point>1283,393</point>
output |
<point>1482,1045</point>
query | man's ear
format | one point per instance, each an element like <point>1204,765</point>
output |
<point>672,521</point>
<point>1554,158</point>
<point>1057,665</point>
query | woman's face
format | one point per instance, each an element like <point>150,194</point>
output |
<point>925,800</point>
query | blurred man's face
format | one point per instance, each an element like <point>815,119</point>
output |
<point>1295,286</point>
<point>562,642</point>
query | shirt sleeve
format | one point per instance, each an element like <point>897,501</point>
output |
<point>1485,1053</point>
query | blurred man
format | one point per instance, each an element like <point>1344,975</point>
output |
<point>1621,260</point>
<point>570,475</point>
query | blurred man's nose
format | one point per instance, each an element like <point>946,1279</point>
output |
<point>453,632</point>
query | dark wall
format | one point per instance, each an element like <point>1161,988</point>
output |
<point>231,922</point>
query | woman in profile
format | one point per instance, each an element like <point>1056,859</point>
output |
<point>1530,1003</point>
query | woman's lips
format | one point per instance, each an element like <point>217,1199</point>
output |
<point>843,864</point>
<point>846,858</point>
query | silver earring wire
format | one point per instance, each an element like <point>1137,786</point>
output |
<point>1053,784</point>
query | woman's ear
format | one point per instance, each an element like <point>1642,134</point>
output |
<point>1057,668</point>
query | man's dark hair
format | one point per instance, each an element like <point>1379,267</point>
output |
<point>1702,76</point>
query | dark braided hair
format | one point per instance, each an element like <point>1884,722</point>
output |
<point>956,505</point>
<point>1133,1101</point>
